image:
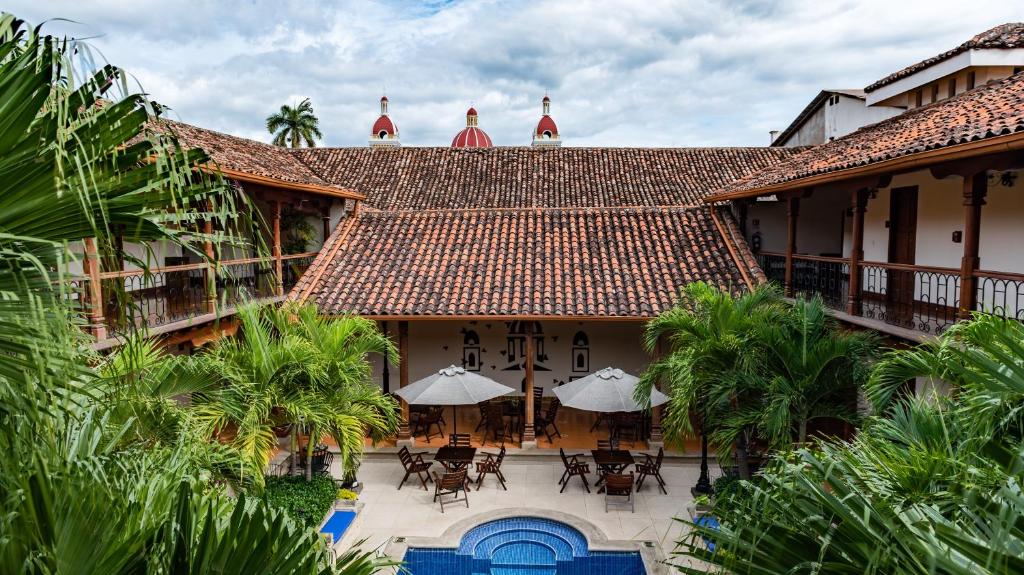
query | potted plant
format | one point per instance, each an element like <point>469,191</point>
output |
<point>702,506</point>
<point>346,498</point>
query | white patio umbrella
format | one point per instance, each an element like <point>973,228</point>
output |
<point>608,390</point>
<point>452,386</point>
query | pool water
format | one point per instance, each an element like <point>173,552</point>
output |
<point>522,546</point>
<point>338,523</point>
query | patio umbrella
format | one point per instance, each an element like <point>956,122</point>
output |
<point>608,390</point>
<point>452,386</point>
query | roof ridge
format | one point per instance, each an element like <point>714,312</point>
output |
<point>678,207</point>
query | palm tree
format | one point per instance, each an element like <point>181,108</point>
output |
<point>88,485</point>
<point>809,369</point>
<point>930,484</point>
<point>709,336</point>
<point>292,366</point>
<point>293,126</point>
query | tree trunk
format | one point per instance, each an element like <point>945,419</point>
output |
<point>802,438</point>
<point>742,457</point>
<point>309,456</point>
<point>294,449</point>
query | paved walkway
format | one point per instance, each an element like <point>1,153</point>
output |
<point>389,512</point>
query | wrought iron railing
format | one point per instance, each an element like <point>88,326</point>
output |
<point>1000,294</point>
<point>920,298</point>
<point>773,265</point>
<point>824,276</point>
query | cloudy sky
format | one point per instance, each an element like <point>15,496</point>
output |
<point>634,73</point>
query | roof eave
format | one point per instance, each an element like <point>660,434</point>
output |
<point>284,184</point>
<point>906,163</point>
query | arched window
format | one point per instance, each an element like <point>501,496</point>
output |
<point>547,134</point>
<point>383,134</point>
<point>580,353</point>
<point>471,351</point>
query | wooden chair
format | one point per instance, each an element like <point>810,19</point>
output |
<point>413,463</point>
<point>428,420</point>
<point>496,426</point>
<point>610,444</point>
<point>619,486</point>
<point>491,464</point>
<point>573,467</point>
<point>602,417</point>
<point>322,460</point>
<point>628,425</point>
<point>483,417</point>
<point>458,439</point>
<point>543,422</point>
<point>651,467</point>
<point>451,484</point>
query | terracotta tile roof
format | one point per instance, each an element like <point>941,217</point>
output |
<point>1004,36</point>
<point>607,262</point>
<point>412,178</point>
<point>992,110</point>
<point>249,156</point>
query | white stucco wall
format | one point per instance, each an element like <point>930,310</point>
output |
<point>434,345</point>
<point>819,229</point>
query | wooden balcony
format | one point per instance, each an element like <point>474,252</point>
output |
<point>169,298</point>
<point>917,301</point>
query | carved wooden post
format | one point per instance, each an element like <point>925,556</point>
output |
<point>278,264</point>
<point>94,295</point>
<point>975,189</point>
<point>403,380</point>
<point>859,203</point>
<point>792,211</point>
<point>656,439</point>
<point>210,273</point>
<point>529,438</point>
<point>325,216</point>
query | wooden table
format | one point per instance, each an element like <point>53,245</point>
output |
<point>610,461</point>
<point>455,458</point>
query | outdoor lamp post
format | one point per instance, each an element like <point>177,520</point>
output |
<point>703,486</point>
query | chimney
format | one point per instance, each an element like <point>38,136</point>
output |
<point>773,134</point>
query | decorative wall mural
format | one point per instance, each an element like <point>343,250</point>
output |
<point>580,353</point>
<point>471,350</point>
<point>515,351</point>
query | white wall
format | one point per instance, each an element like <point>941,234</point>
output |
<point>434,345</point>
<point>819,226</point>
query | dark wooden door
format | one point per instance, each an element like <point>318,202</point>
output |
<point>902,247</point>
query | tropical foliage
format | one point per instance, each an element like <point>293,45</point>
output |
<point>756,371</point>
<point>293,126</point>
<point>292,366</point>
<point>932,484</point>
<point>99,472</point>
<point>305,501</point>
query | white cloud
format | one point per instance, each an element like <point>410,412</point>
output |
<point>696,72</point>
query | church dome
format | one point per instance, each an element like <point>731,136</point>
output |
<point>384,132</point>
<point>472,136</point>
<point>546,132</point>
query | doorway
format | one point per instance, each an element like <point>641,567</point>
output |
<point>900,284</point>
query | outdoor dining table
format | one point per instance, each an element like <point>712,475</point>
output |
<point>610,461</point>
<point>455,458</point>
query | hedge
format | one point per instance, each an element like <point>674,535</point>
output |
<point>305,501</point>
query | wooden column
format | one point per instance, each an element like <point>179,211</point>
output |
<point>859,204</point>
<point>210,274</point>
<point>529,438</point>
<point>975,189</point>
<point>325,216</point>
<point>278,263</point>
<point>657,439</point>
<point>403,377</point>
<point>792,211</point>
<point>94,294</point>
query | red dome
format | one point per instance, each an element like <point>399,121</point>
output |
<point>384,124</point>
<point>546,99</point>
<point>471,112</point>
<point>472,137</point>
<point>546,124</point>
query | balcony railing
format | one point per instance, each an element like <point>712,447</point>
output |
<point>163,296</point>
<point>924,299</point>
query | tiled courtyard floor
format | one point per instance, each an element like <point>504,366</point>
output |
<point>533,483</point>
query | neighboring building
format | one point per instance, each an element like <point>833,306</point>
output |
<point>384,133</point>
<point>830,115</point>
<point>992,55</point>
<point>545,135</point>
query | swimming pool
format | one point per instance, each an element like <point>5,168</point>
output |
<point>522,546</point>
<point>338,524</point>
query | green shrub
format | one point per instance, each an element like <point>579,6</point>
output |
<point>306,501</point>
